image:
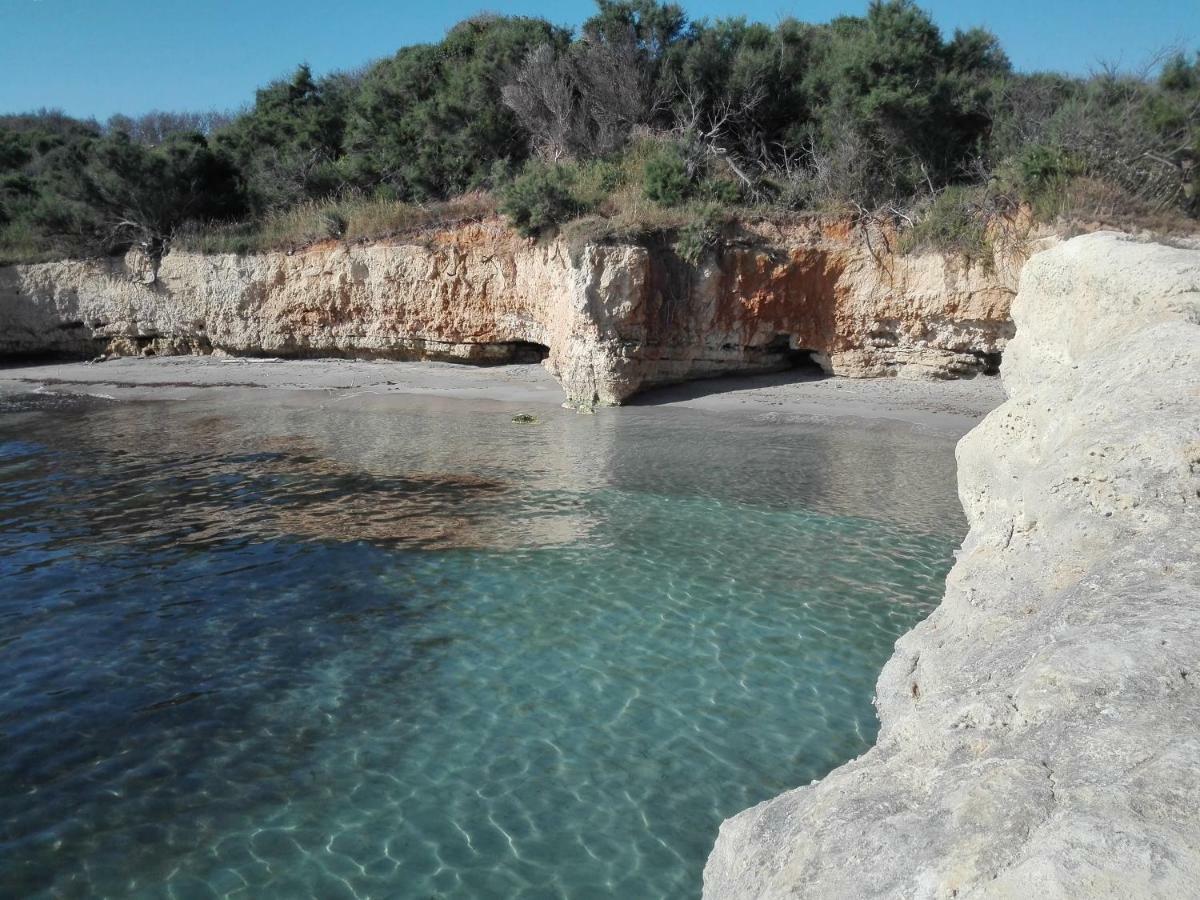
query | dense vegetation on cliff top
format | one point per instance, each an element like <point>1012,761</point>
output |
<point>641,121</point>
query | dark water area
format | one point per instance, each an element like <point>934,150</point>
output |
<point>295,648</point>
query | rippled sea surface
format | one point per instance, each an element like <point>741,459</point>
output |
<point>407,648</point>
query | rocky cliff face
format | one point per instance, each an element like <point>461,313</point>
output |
<point>1041,729</point>
<point>611,319</point>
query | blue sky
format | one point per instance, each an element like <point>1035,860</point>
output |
<point>98,57</point>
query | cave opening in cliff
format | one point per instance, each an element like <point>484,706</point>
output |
<point>527,352</point>
<point>803,361</point>
<point>797,359</point>
<point>989,363</point>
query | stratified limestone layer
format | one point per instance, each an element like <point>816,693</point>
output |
<point>1041,729</point>
<point>612,319</point>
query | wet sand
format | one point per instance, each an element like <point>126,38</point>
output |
<point>951,407</point>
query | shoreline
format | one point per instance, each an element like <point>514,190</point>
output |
<point>946,407</point>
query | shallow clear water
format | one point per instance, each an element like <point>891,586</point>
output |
<point>410,649</point>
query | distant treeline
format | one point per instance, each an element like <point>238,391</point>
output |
<point>641,119</point>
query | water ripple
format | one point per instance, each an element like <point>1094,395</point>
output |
<point>412,652</point>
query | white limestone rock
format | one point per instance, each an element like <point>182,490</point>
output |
<point>1040,731</point>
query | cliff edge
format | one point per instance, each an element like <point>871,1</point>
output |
<point>1040,731</point>
<point>609,319</point>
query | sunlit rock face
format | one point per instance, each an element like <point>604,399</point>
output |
<point>1040,730</point>
<point>609,320</point>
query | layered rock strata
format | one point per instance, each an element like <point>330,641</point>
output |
<point>1040,731</point>
<point>610,319</point>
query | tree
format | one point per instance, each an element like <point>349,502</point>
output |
<point>287,146</point>
<point>430,122</point>
<point>112,192</point>
<point>585,100</point>
<point>650,27</point>
<point>157,126</point>
<point>917,102</point>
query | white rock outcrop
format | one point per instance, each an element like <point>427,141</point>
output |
<point>611,319</point>
<point>1040,731</point>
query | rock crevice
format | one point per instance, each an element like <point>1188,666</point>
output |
<point>1039,733</point>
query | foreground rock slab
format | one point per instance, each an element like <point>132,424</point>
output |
<point>1040,731</point>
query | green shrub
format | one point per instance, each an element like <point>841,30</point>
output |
<point>1040,175</point>
<point>596,181</point>
<point>665,177</point>
<point>719,190</point>
<point>955,221</point>
<point>611,175</point>
<point>540,197</point>
<point>702,233</point>
<point>1041,167</point>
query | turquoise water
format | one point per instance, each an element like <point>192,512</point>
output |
<point>407,648</point>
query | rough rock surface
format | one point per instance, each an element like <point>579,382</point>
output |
<point>611,319</point>
<point>1041,729</point>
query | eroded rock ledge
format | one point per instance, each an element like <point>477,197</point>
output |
<point>611,319</point>
<point>1041,729</point>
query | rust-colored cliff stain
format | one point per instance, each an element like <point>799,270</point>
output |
<point>793,293</point>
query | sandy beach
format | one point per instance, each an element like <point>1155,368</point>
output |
<point>950,407</point>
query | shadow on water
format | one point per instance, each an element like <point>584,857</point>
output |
<point>161,607</point>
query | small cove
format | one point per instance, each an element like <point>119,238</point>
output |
<point>408,648</point>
